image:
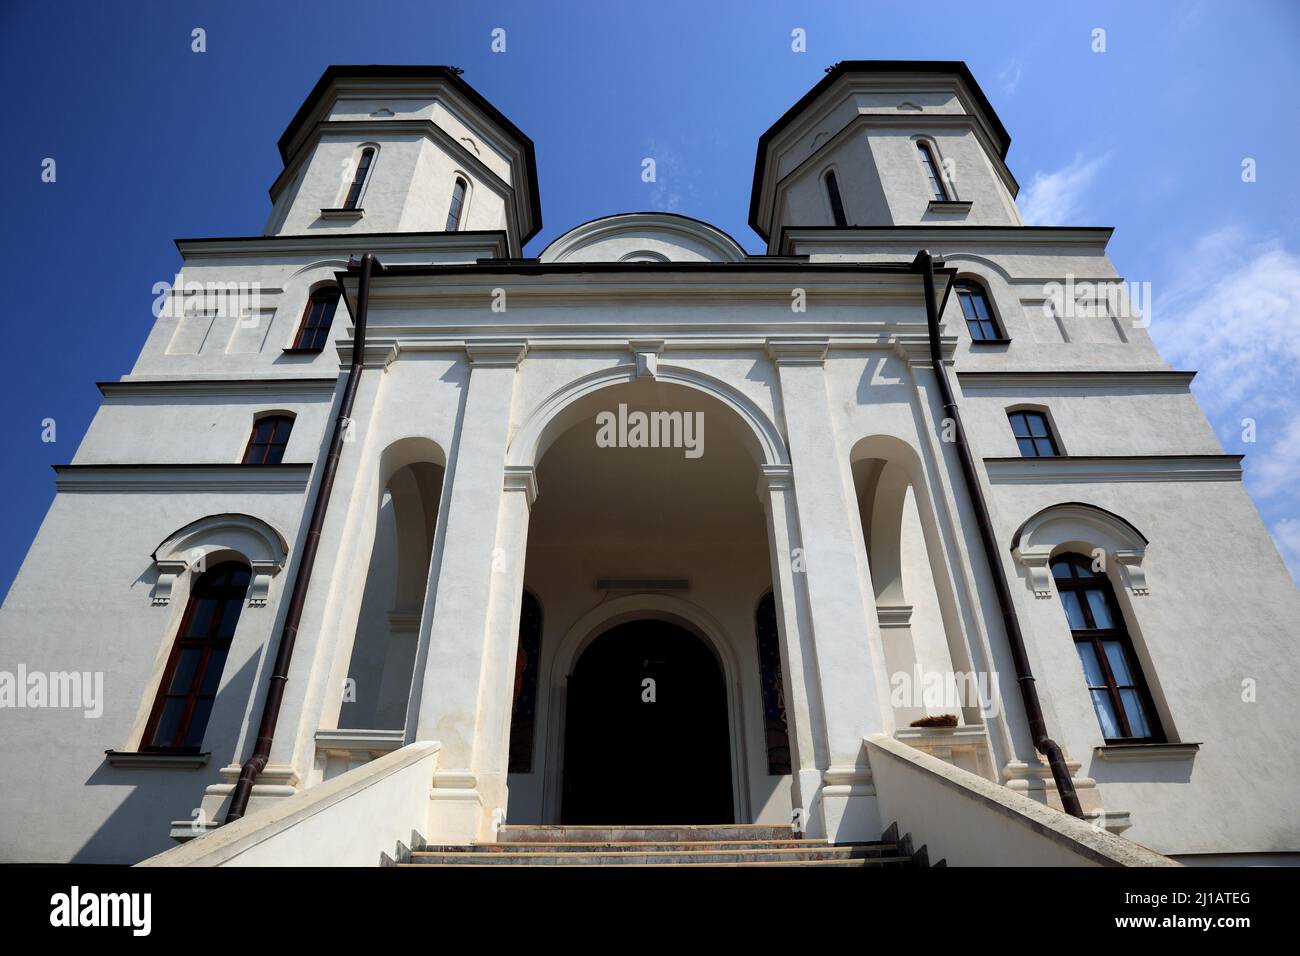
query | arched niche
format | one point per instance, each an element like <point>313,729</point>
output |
<point>411,472</point>
<point>915,606</point>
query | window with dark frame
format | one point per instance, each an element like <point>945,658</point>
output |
<point>1033,434</point>
<point>975,309</point>
<point>269,439</point>
<point>189,684</point>
<point>314,331</point>
<point>775,727</point>
<point>359,178</point>
<point>1118,690</point>
<point>938,188</point>
<point>523,712</point>
<point>837,204</point>
<point>457,204</point>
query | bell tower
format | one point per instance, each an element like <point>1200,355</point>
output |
<point>403,149</point>
<point>885,143</point>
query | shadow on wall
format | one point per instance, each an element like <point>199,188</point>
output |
<point>139,826</point>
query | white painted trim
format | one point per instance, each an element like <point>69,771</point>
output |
<point>1091,469</point>
<point>184,479</point>
<point>525,446</point>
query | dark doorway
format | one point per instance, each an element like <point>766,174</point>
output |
<point>628,760</point>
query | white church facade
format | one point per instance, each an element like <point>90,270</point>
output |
<point>421,537</point>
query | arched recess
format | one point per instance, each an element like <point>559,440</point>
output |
<point>564,408</point>
<point>925,650</point>
<point>219,537</point>
<point>1084,528</point>
<point>384,649</point>
<point>632,607</point>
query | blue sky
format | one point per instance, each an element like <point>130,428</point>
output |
<point>155,142</point>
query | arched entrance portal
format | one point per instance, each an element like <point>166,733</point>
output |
<point>647,738</point>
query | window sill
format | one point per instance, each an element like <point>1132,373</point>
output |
<point>143,760</point>
<point>1121,752</point>
<point>948,205</point>
<point>298,351</point>
<point>977,342</point>
<point>347,215</point>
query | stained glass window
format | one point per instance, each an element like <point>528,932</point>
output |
<point>523,713</point>
<point>773,686</point>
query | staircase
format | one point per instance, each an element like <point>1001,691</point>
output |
<point>720,845</point>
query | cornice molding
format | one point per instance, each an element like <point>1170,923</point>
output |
<point>223,388</point>
<point>1072,469</point>
<point>1084,381</point>
<point>183,478</point>
<point>476,244</point>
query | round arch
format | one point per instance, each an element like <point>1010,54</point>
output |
<point>218,537</point>
<point>1078,526</point>
<point>556,413</point>
<point>610,614</point>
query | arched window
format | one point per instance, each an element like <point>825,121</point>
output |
<point>189,683</point>
<point>975,309</point>
<point>457,205</point>
<point>773,686</point>
<point>269,438</point>
<point>837,204</point>
<point>364,162</point>
<point>527,657</point>
<point>938,188</point>
<point>1033,433</point>
<point>317,318</point>
<point>1115,683</point>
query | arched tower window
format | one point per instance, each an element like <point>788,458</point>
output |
<point>975,309</point>
<point>1033,433</point>
<point>457,204</point>
<point>527,657</point>
<point>189,684</point>
<point>938,188</point>
<point>269,439</point>
<point>314,331</point>
<point>837,204</point>
<point>364,162</point>
<point>773,686</point>
<point>1115,682</point>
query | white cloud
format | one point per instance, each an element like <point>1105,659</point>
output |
<point>1009,78</point>
<point>1230,312</point>
<point>1057,198</point>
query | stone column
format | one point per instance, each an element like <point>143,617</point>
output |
<point>798,657</point>
<point>841,610</point>
<point>469,599</point>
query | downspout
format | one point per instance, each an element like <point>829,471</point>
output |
<point>302,577</point>
<point>1045,745</point>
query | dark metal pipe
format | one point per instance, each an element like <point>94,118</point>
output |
<point>1045,745</point>
<point>302,577</point>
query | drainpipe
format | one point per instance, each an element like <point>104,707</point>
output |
<point>924,263</point>
<point>302,576</point>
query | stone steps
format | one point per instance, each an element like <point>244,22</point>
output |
<point>643,833</point>
<point>743,845</point>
